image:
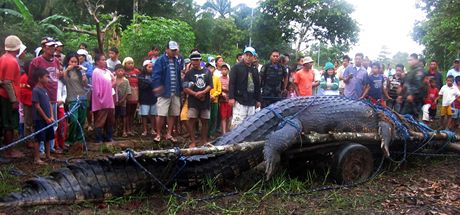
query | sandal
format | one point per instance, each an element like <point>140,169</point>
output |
<point>144,133</point>
<point>39,162</point>
<point>172,139</point>
<point>157,139</point>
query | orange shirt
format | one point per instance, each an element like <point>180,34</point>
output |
<point>304,81</point>
<point>9,70</point>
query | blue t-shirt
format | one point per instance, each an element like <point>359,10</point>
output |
<point>375,86</point>
<point>355,86</point>
<point>40,96</point>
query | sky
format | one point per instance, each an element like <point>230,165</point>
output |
<point>382,23</point>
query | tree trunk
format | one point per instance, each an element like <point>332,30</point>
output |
<point>100,38</point>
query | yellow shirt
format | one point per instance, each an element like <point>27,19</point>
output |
<point>216,90</point>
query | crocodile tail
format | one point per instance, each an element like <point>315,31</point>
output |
<point>88,180</point>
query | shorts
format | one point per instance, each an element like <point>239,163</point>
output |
<point>240,113</point>
<point>148,110</point>
<point>446,111</point>
<point>46,135</point>
<point>120,111</point>
<point>225,110</point>
<point>168,106</point>
<point>9,116</point>
<point>204,114</point>
<point>456,114</point>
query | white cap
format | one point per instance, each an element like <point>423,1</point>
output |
<point>37,51</point>
<point>21,50</point>
<point>146,62</point>
<point>173,45</point>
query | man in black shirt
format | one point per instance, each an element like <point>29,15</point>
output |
<point>273,80</point>
<point>244,88</point>
<point>198,83</point>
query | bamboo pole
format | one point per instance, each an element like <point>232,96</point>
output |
<point>309,142</point>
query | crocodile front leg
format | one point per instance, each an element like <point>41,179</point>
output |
<point>278,142</point>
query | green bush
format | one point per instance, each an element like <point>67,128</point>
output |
<point>139,37</point>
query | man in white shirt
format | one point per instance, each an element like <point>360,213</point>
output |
<point>340,70</point>
<point>456,70</point>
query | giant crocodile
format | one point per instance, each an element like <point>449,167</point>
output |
<point>279,125</point>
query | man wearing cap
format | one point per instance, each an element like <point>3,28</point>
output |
<point>9,92</point>
<point>273,80</point>
<point>355,78</point>
<point>167,85</point>
<point>304,79</point>
<point>198,84</point>
<point>58,53</point>
<point>244,88</point>
<point>456,70</point>
<point>49,62</point>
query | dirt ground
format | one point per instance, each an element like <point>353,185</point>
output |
<point>421,186</point>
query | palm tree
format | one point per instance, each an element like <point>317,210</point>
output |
<point>221,7</point>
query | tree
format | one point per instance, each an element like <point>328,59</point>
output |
<point>327,53</point>
<point>400,58</point>
<point>138,37</point>
<point>328,21</point>
<point>384,55</point>
<point>221,7</point>
<point>439,33</point>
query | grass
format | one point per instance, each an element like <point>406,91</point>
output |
<point>8,182</point>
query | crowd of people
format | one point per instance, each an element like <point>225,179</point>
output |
<point>208,97</point>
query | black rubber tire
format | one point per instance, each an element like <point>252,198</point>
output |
<point>352,163</point>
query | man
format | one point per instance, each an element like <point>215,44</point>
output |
<point>414,87</point>
<point>389,71</point>
<point>456,70</point>
<point>355,78</point>
<point>340,70</point>
<point>273,80</point>
<point>433,73</point>
<point>366,65</point>
<point>9,92</point>
<point>244,88</point>
<point>58,53</point>
<point>395,84</point>
<point>198,83</point>
<point>304,79</point>
<point>239,57</point>
<point>154,53</point>
<point>167,85</point>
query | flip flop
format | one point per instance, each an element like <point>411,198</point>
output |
<point>157,139</point>
<point>172,139</point>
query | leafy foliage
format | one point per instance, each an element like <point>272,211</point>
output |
<point>221,7</point>
<point>440,33</point>
<point>139,37</point>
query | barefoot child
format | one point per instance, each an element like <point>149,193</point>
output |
<point>122,90</point>
<point>43,114</point>
<point>224,108</point>
<point>448,92</point>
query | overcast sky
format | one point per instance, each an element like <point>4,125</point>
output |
<point>382,22</point>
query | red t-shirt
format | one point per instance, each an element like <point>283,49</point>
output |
<point>25,91</point>
<point>132,77</point>
<point>457,103</point>
<point>9,70</point>
<point>431,97</point>
<point>53,69</point>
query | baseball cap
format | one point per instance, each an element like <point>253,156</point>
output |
<point>173,45</point>
<point>146,62</point>
<point>226,65</point>
<point>59,43</point>
<point>211,64</point>
<point>457,60</point>
<point>82,52</point>
<point>195,55</point>
<point>210,58</point>
<point>307,60</point>
<point>250,50</point>
<point>48,41</point>
<point>12,43</point>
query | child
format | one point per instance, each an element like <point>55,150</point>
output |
<point>147,98</point>
<point>43,114</point>
<point>448,92</point>
<point>122,90</point>
<point>291,90</point>
<point>329,82</point>
<point>132,100</point>
<point>113,59</point>
<point>375,90</point>
<point>224,108</point>
<point>215,93</point>
<point>62,125</point>
<point>429,107</point>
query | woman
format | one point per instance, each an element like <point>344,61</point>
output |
<point>329,83</point>
<point>103,106</point>
<point>76,82</point>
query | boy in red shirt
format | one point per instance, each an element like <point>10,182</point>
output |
<point>429,105</point>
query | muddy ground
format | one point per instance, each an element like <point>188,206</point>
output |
<point>420,186</point>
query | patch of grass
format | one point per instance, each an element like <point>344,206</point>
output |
<point>8,182</point>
